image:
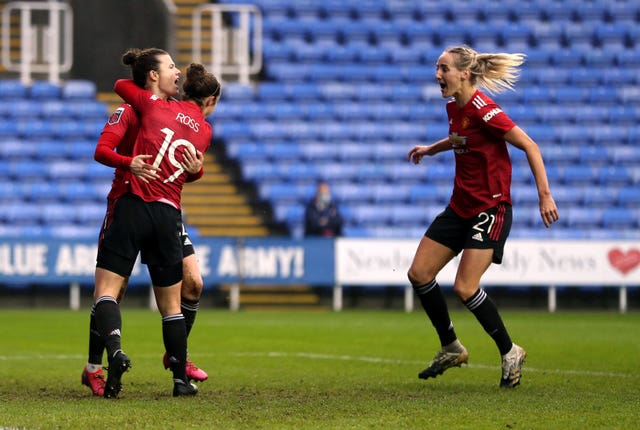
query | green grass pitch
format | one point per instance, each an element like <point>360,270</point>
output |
<point>325,370</point>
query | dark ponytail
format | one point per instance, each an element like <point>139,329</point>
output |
<point>141,62</point>
<point>200,84</point>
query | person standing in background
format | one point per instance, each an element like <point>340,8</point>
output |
<point>322,218</point>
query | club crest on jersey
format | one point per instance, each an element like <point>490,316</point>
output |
<point>458,143</point>
<point>465,122</point>
<point>115,116</point>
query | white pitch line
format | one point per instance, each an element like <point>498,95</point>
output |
<point>400,361</point>
<point>319,356</point>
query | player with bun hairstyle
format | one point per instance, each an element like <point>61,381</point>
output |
<point>114,149</point>
<point>478,217</point>
<point>148,218</point>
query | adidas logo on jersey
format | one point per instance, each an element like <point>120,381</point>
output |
<point>478,237</point>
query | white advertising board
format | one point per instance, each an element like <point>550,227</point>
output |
<point>525,262</point>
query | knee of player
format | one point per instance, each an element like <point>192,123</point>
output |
<point>418,278</point>
<point>192,287</point>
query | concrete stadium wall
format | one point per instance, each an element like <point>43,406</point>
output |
<point>104,30</point>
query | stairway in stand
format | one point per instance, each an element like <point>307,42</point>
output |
<point>216,207</point>
<point>183,35</point>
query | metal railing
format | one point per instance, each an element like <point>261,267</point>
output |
<point>234,45</point>
<point>45,33</point>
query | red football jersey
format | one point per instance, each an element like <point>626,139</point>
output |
<point>483,166</point>
<point>167,128</point>
<point>119,134</point>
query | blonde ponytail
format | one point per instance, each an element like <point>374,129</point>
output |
<point>494,72</point>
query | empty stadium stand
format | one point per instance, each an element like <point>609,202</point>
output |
<point>347,89</point>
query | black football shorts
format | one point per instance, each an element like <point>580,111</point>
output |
<point>152,229</point>
<point>487,230</point>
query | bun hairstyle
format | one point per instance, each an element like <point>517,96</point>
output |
<point>200,84</point>
<point>141,62</point>
<point>495,72</point>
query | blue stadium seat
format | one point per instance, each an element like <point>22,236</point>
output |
<point>371,214</point>
<point>323,72</point>
<point>343,54</point>
<point>97,172</point>
<point>327,31</point>
<point>595,154</point>
<point>79,89</point>
<point>15,149</point>
<point>290,213</point>
<point>246,149</point>
<point>572,95</point>
<point>39,190</point>
<point>589,218</point>
<point>23,170</point>
<point>334,172</point>
<point>291,192</point>
<point>86,109</point>
<point>624,114</point>
<point>31,128</point>
<point>290,72</point>
<point>76,231</point>
<point>614,175</point>
<point>608,34</point>
<point>359,32</point>
<point>388,34</point>
<point>20,213</point>
<point>237,92</point>
<point>427,193</point>
<point>567,196</point>
<point>233,130</point>
<point>285,152</point>
<point>25,109</point>
<point>258,170</point>
<point>619,76</point>
<point>611,135</point>
<point>67,129</point>
<point>408,216</point>
<point>602,196</point>
<point>12,89</point>
<point>53,213</point>
<point>308,53</point>
<point>629,197</point>
<point>624,155</point>
<point>620,218</point>
<point>72,191</point>
<point>356,73</point>
<point>277,51</point>
<point>90,214</point>
<point>353,192</point>
<point>391,194</point>
<point>10,192</point>
<point>51,109</point>
<point>579,175</point>
<point>355,231</point>
<point>319,152</point>
<point>44,90</point>
<point>278,111</point>
<point>628,59</point>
